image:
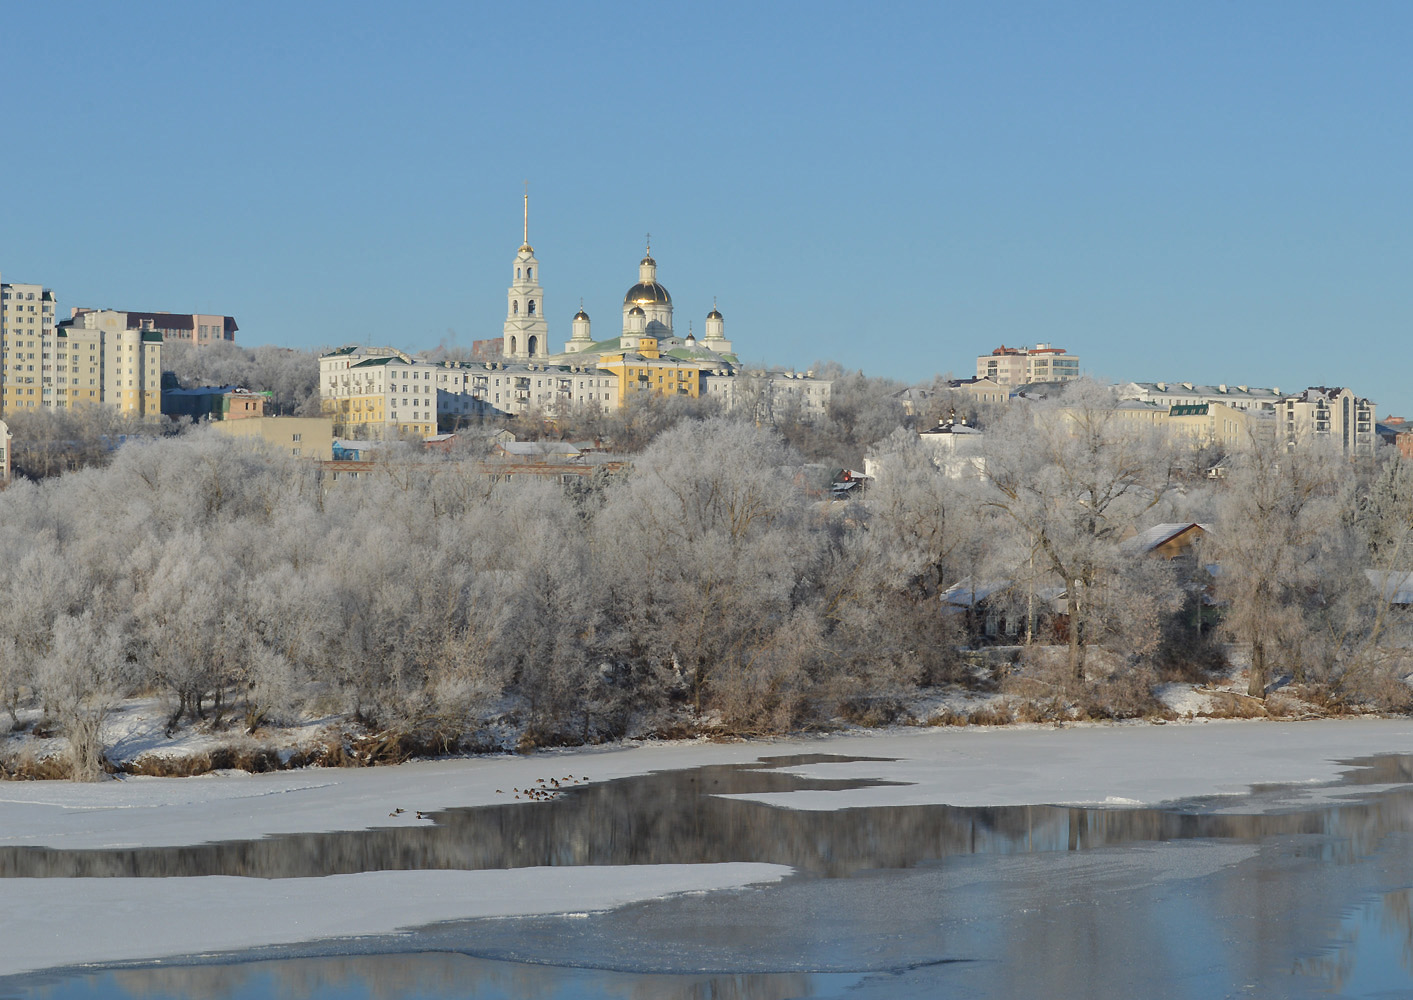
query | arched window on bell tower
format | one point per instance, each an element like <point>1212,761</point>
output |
<point>530,311</point>
<point>529,274</point>
<point>515,308</point>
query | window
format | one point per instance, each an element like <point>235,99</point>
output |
<point>531,308</point>
<point>529,274</point>
<point>515,308</point>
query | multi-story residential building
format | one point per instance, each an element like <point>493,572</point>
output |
<point>1023,365</point>
<point>1170,394</point>
<point>1328,414</point>
<point>382,392</point>
<point>768,393</point>
<point>1224,414</point>
<point>129,369</point>
<point>26,323</point>
<point>96,358</point>
<point>1213,424</point>
<point>189,328</point>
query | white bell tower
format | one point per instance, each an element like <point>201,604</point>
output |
<point>526,331</point>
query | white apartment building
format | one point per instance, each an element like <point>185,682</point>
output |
<point>381,392</point>
<point>1169,394</point>
<point>1023,365</point>
<point>1328,414</point>
<point>769,393</point>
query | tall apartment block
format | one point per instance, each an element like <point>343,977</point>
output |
<point>1022,365</point>
<point>26,323</point>
<point>128,373</point>
<point>95,358</point>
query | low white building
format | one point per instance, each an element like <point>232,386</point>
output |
<point>770,394</point>
<point>381,392</point>
<point>955,449</point>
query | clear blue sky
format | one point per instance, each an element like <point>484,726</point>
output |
<point>1207,191</point>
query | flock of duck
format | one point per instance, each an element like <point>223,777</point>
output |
<point>543,790</point>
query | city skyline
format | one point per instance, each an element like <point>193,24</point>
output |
<point>1205,194</point>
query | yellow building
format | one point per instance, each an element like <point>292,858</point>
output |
<point>301,437</point>
<point>1210,424</point>
<point>92,359</point>
<point>646,370</point>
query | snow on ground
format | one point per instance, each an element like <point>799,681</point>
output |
<point>1013,765</point>
<point>48,923</point>
<point>1184,699</point>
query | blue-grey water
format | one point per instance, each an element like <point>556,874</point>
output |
<point>1264,897</point>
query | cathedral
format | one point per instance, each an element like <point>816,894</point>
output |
<point>379,392</point>
<point>647,320</point>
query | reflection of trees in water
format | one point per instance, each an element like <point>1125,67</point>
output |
<point>679,817</point>
<point>1337,964</point>
<point>393,977</point>
<point>1396,921</point>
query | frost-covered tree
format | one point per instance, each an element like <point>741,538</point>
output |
<point>1279,507</point>
<point>701,552</point>
<point>1072,478</point>
<point>82,677</point>
<point>291,376</point>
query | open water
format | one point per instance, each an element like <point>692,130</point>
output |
<point>1258,897</point>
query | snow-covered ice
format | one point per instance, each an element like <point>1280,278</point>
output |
<point>46,923</point>
<point>972,766</point>
<point>1097,765</point>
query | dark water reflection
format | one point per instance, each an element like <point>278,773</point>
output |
<point>433,977</point>
<point>678,817</point>
<point>1199,899</point>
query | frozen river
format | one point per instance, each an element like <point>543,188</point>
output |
<point>1250,860</point>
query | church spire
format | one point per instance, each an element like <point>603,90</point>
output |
<point>526,244</point>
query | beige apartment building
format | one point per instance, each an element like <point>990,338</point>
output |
<point>26,322</point>
<point>129,369</point>
<point>1022,365</point>
<point>91,359</point>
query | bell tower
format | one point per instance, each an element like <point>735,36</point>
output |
<point>526,332</point>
